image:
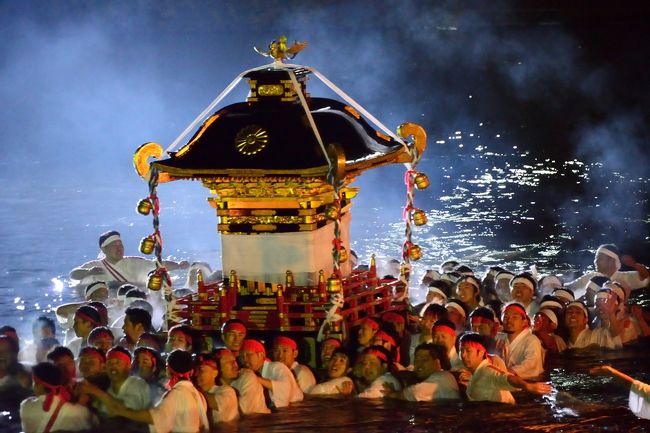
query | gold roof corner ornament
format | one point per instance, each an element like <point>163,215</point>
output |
<point>279,51</point>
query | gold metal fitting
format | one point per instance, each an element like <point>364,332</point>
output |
<point>144,206</point>
<point>421,181</point>
<point>334,284</point>
<point>154,281</point>
<point>419,217</point>
<point>332,212</point>
<point>415,252</point>
<point>147,245</point>
<point>343,255</point>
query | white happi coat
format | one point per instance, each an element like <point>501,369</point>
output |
<point>71,416</point>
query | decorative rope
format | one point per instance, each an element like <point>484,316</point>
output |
<point>407,215</point>
<point>170,303</point>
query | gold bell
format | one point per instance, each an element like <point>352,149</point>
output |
<point>144,206</point>
<point>147,245</point>
<point>419,217</point>
<point>415,252</point>
<point>343,255</point>
<point>332,212</point>
<point>421,181</point>
<point>154,281</point>
<point>334,284</point>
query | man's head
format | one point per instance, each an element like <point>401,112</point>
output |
<point>252,354</point>
<point>444,333</point>
<point>576,316</point>
<point>484,322</point>
<point>43,327</point>
<point>102,338</point>
<point>430,358</point>
<point>468,289</point>
<point>606,259</point>
<point>431,315</point>
<point>472,350</point>
<point>179,337</point>
<point>92,362</point>
<point>63,358</point>
<point>367,331</point>
<point>146,363</point>
<point>523,288</point>
<point>285,350</point>
<point>545,320</point>
<point>111,245</point>
<point>8,353</point>
<point>46,376</point>
<point>97,291</point>
<point>118,364</point>
<point>233,333</point>
<point>457,312</point>
<point>437,292</point>
<point>136,322</point>
<point>339,364</point>
<point>327,348</point>
<point>373,363</point>
<point>205,371</point>
<point>514,319</point>
<point>85,319</point>
<point>227,365</point>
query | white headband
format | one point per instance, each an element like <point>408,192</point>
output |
<point>94,287</point>
<point>551,315</point>
<point>438,291</point>
<point>578,304</point>
<point>471,281</point>
<point>456,307</point>
<point>108,240</point>
<point>523,280</point>
<point>602,294</point>
<point>551,281</point>
<point>564,294</point>
<point>610,253</point>
<point>504,276</point>
<point>551,304</point>
<point>616,288</point>
<point>593,286</point>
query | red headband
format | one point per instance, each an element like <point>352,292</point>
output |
<point>285,341</point>
<point>518,308</point>
<point>479,319</point>
<point>474,344</point>
<point>116,354</point>
<point>443,328</point>
<point>253,346</point>
<point>393,317</point>
<point>379,354</point>
<point>85,317</point>
<point>234,326</point>
<point>53,390</point>
<point>370,322</point>
<point>385,337</point>
<point>333,341</point>
<point>92,352</point>
<point>175,376</point>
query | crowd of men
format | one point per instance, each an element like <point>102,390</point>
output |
<point>474,338</point>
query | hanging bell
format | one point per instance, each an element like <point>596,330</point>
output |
<point>144,206</point>
<point>415,252</point>
<point>147,245</point>
<point>334,284</point>
<point>332,212</point>
<point>343,255</point>
<point>419,217</point>
<point>154,280</point>
<point>421,181</point>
